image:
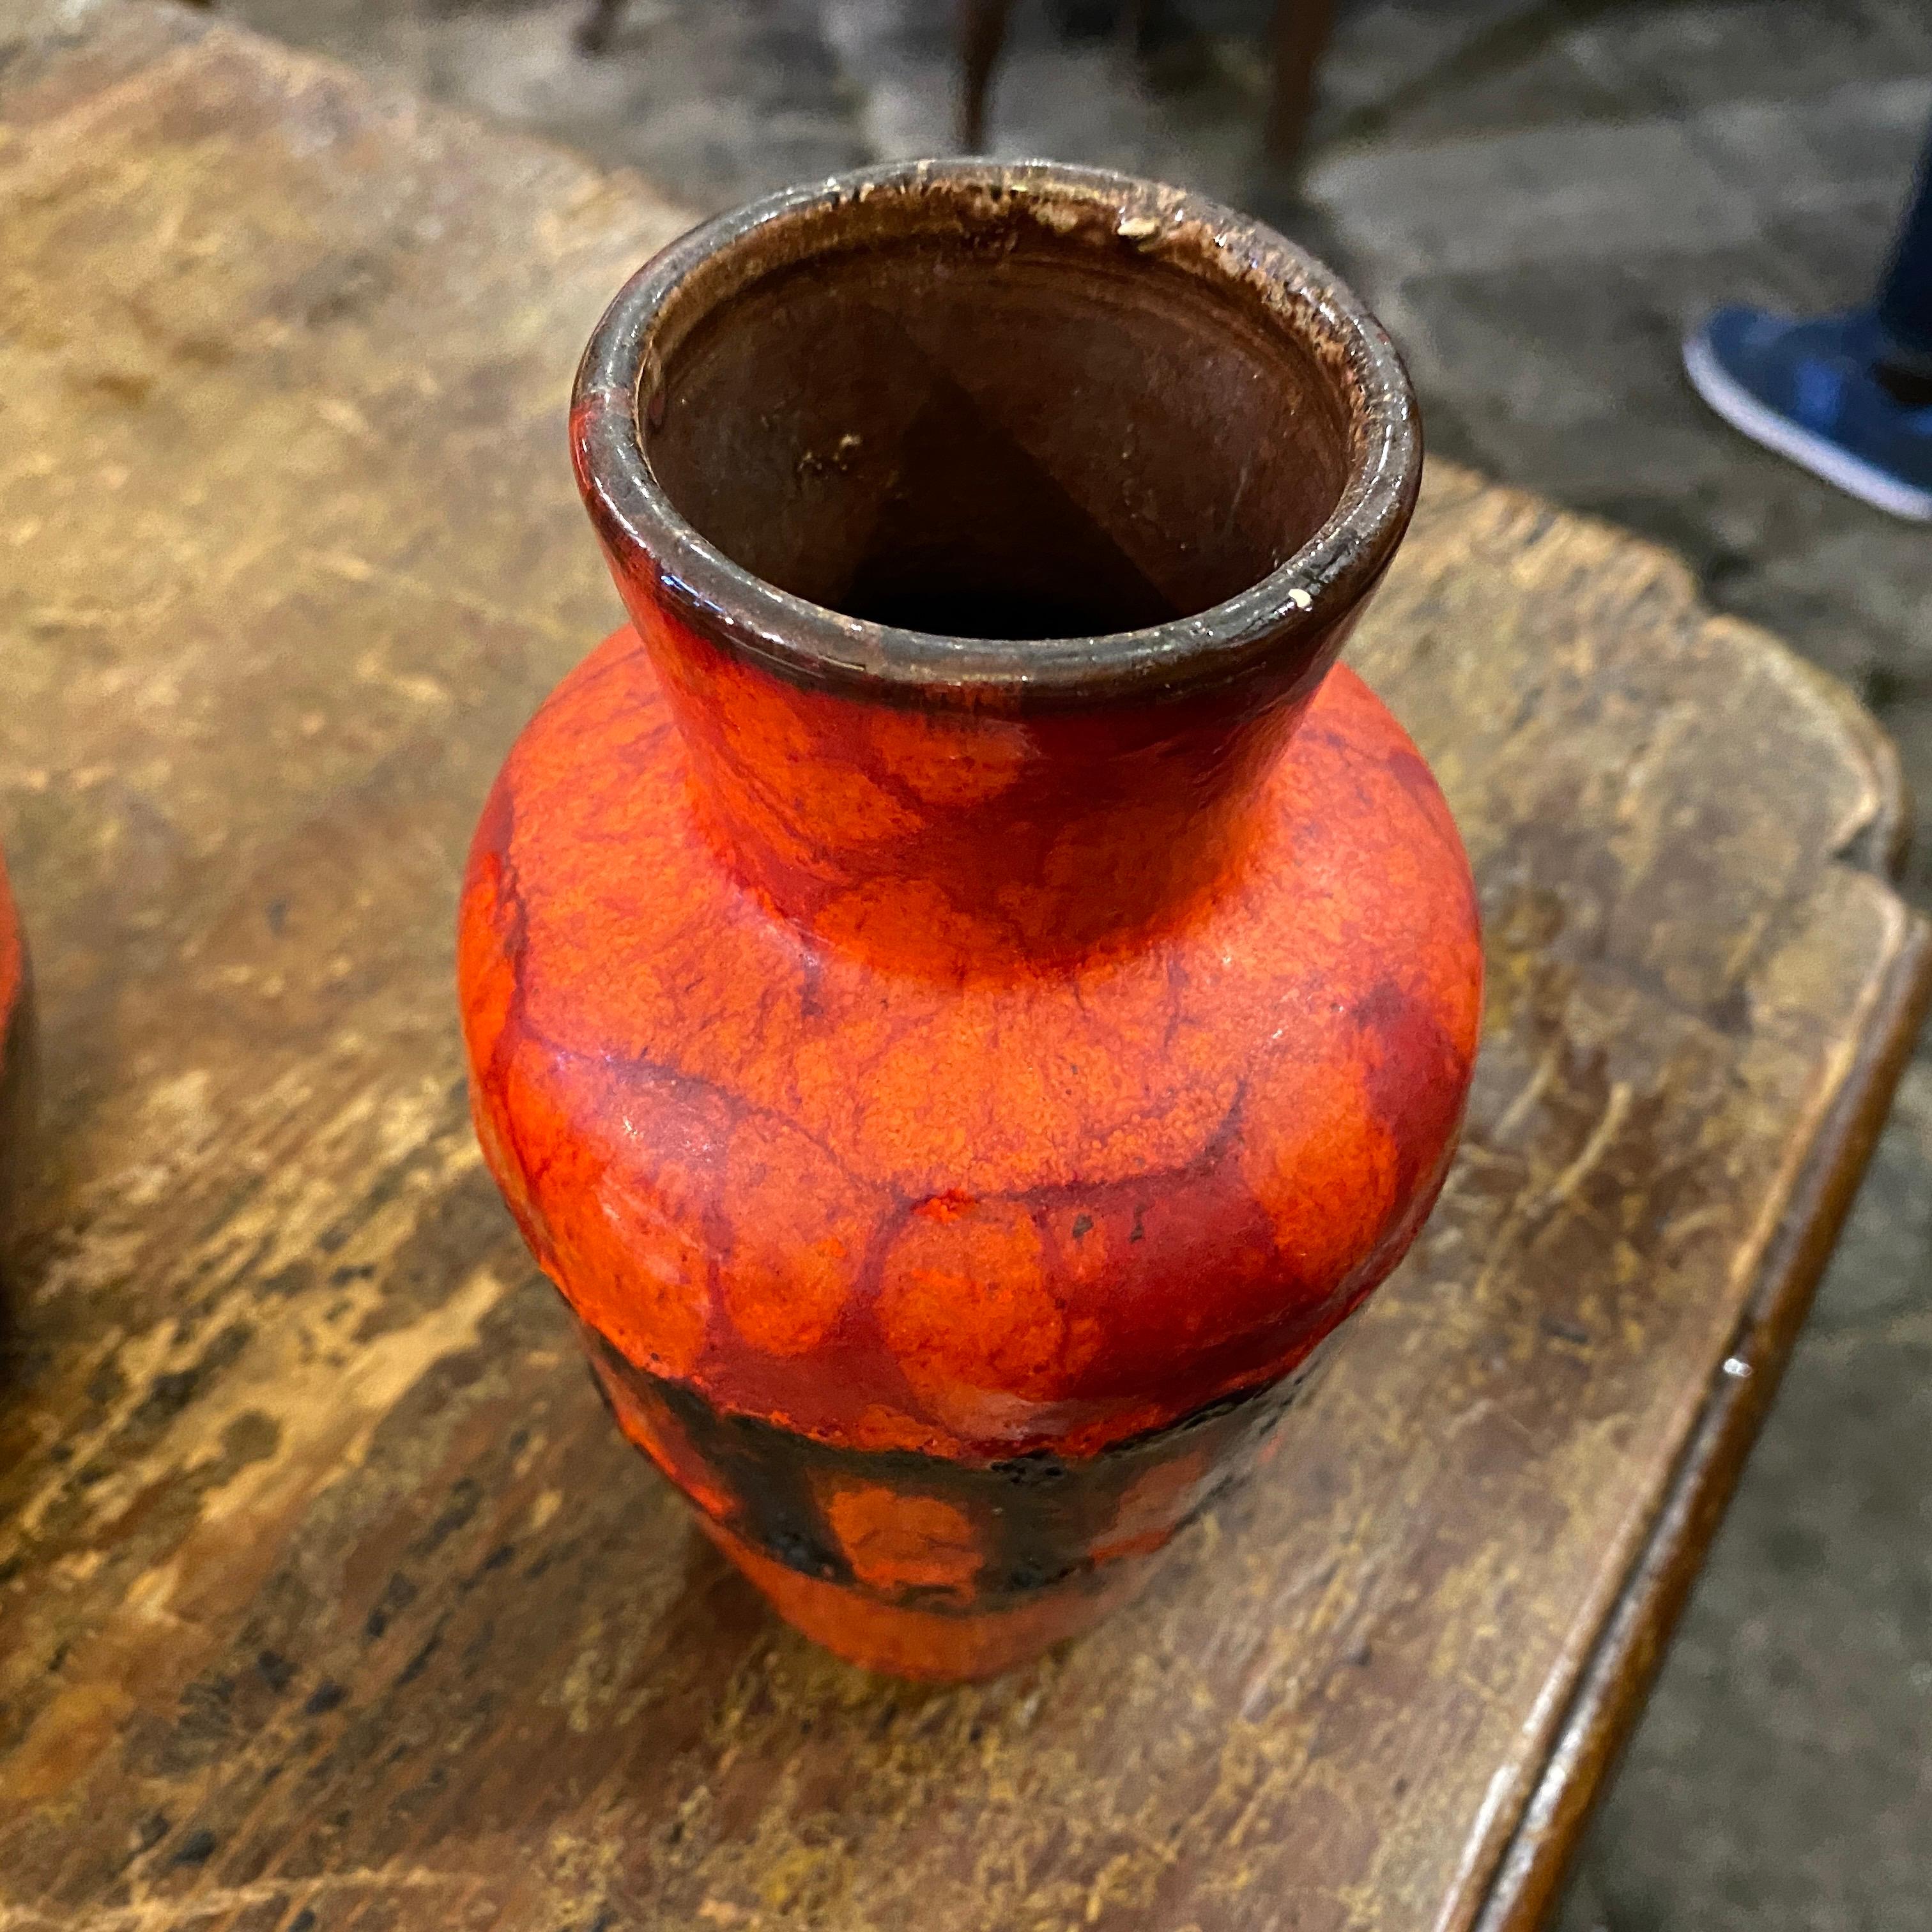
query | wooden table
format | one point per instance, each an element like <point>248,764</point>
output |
<point>330,1597</point>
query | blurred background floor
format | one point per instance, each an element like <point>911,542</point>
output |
<point>1536,196</point>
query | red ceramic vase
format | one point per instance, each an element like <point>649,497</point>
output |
<point>961,998</point>
<point>18,1068</point>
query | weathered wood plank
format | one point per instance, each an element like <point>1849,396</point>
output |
<point>327,1587</point>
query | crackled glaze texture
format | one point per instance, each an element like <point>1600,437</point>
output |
<point>959,1086</point>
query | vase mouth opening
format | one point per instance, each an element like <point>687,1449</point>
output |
<point>1016,434</point>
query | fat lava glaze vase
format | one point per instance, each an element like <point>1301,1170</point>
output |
<point>961,998</point>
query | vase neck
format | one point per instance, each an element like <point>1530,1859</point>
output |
<point>989,526</point>
<point>945,841</point>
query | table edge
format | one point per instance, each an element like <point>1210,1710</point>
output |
<point>1624,1662</point>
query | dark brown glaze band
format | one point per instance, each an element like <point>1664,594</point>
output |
<point>1037,1522</point>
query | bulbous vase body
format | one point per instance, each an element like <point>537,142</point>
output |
<point>962,999</point>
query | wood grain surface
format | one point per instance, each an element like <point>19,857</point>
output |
<point>329,1596</point>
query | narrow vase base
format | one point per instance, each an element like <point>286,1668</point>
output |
<point>932,1646</point>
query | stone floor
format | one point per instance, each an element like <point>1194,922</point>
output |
<point>1536,195</point>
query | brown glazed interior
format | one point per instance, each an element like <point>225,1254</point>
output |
<point>1005,429</point>
<point>973,401</point>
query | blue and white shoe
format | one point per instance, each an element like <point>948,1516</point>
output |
<point>1811,391</point>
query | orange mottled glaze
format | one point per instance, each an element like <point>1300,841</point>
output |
<point>1020,1205</point>
<point>962,1070</point>
<point>941,1646</point>
<point>806,1130</point>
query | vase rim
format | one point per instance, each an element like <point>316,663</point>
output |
<point>1285,614</point>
